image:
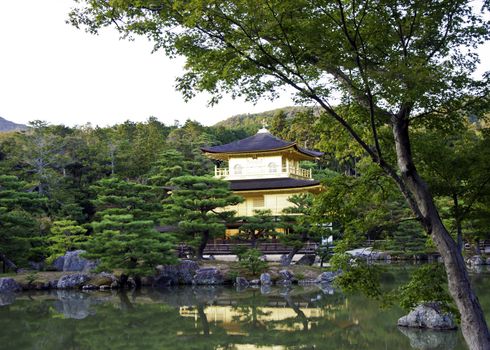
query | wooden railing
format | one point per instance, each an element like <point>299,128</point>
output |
<point>262,172</point>
<point>265,248</point>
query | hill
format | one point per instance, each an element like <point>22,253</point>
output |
<point>252,122</point>
<point>6,125</point>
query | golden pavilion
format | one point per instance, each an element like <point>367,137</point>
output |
<point>265,171</point>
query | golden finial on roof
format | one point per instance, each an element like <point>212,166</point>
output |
<point>264,127</point>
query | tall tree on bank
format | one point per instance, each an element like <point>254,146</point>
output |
<point>19,227</point>
<point>124,230</point>
<point>196,208</point>
<point>402,63</point>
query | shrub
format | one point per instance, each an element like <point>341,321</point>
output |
<point>251,260</point>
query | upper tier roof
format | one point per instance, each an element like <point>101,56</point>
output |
<point>262,141</point>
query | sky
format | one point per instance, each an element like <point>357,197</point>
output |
<point>52,71</point>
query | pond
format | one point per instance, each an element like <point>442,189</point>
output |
<point>216,318</point>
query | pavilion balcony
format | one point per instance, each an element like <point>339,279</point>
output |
<point>263,173</point>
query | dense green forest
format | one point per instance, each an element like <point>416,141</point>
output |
<point>64,188</point>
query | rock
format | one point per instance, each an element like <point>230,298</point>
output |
<point>104,287</point>
<point>76,280</point>
<point>90,287</point>
<point>285,277</point>
<point>307,259</point>
<point>475,260</point>
<point>284,260</point>
<point>9,285</point>
<point>115,285</point>
<point>326,288</point>
<point>428,315</point>
<point>74,262</point>
<point>241,282</point>
<point>103,278</point>
<point>208,276</point>
<point>425,339</point>
<point>58,263</point>
<point>327,276</point>
<point>131,283</point>
<point>265,279</point>
<point>53,284</point>
<point>182,273</point>
<point>487,261</point>
<point>255,282</point>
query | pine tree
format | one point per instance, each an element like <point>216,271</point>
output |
<point>65,236</point>
<point>20,235</point>
<point>258,226</point>
<point>124,231</point>
<point>299,224</point>
<point>197,209</point>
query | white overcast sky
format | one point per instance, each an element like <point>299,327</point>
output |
<point>54,72</point>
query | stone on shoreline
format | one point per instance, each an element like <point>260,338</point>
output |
<point>327,276</point>
<point>76,280</point>
<point>74,262</point>
<point>307,259</point>
<point>265,279</point>
<point>208,276</point>
<point>475,260</point>
<point>428,315</point>
<point>285,278</point>
<point>241,282</point>
<point>9,285</point>
<point>181,273</point>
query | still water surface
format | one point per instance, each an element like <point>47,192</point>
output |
<point>216,318</point>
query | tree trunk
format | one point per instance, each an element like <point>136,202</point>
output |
<point>202,245</point>
<point>473,324</point>
<point>7,263</point>
<point>290,256</point>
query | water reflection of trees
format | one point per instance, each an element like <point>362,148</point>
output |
<point>187,319</point>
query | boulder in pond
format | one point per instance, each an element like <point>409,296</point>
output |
<point>9,285</point>
<point>76,280</point>
<point>74,262</point>
<point>181,273</point>
<point>265,279</point>
<point>286,277</point>
<point>208,276</point>
<point>475,260</point>
<point>327,276</point>
<point>241,282</point>
<point>307,259</point>
<point>428,315</point>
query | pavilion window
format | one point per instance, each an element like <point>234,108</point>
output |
<point>272,168</point>
<point>258,202</point>
<point>237,169</point>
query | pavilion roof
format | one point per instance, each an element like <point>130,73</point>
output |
<point>263,141</point>
<point>269,184</point>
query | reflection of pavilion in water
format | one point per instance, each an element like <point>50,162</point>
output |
<point>277,315</point>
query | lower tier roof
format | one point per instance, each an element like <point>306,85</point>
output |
<point>269,184</point>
